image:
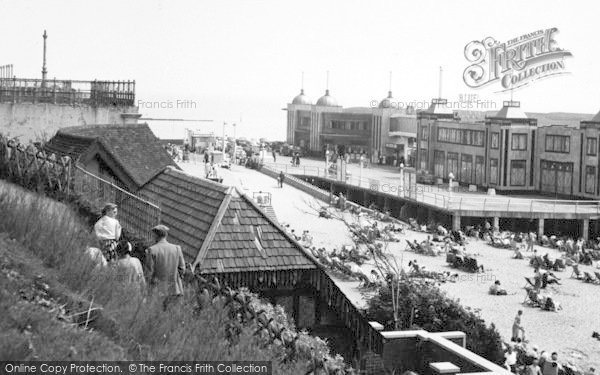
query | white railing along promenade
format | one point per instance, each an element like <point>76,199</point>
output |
<point>454,202</point>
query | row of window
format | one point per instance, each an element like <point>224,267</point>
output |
<point>461,136</point>
<point>349,125</point>
<point>554,143</point>
<point>445,164</point>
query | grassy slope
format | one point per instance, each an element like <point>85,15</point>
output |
<point>45,276</point>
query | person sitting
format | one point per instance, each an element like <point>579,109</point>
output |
<point>549,278</point>
<point>497,290</point>
<point>551,305</point>
<point>551,366</point>
<point>518,254</point>
<point>108,231</point>
<point>415,266</point>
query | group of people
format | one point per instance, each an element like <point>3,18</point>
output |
<point>160,269</point>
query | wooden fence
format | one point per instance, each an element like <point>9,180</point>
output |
<point>60,178</point>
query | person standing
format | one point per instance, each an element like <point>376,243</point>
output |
<point>280,179</point>
<point>274,156</point>
<point>518,327</point>
<point>108,231</point>
<point>166,266</point>
<point>129,269</point>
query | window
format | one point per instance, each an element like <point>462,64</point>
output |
<point>590,178</point>
<point>438,163</point>
<point>592,146</point>
<point>558,143</point>
<point>453,164</point>
<point>424,133</point>
<point>466,168</point>
<point>495,141</point>
<point>493,171</point>
<point>517,172</point>
<point>519,142</point>
<point>479,170</point>
<point>461,136</point>
<point>423,157</point>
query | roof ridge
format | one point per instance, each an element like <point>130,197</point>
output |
<point>214,226</point>
<point>223,187</point>
<point>280,229</point>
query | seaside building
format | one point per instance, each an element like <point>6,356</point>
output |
<point>511,152</point>
<point>387,130</point>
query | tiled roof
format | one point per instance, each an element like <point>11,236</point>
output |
<point>134,147</point>
<point>219,229</point>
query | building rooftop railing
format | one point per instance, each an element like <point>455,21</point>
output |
<point>68,92</point>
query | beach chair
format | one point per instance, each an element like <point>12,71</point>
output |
<point>597,276</point>
<point>530,284</point>
<point>576,271</point>
<point>532,297</point>
<point>411,245</point>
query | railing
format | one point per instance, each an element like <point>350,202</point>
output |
<point>92,93</point>
<point>135,214</point>
<point>447,200</point>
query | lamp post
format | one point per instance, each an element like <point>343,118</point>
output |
<point>326,172</point>
<point>450,178</point>
<point>402,178</point>
<point>361,161</point>
<point>224,124</point>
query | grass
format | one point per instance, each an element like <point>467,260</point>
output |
<point>43,242</point>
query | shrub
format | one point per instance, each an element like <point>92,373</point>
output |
<point>424,306</point>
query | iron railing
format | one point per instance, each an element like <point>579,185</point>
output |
<point>454,202</point>
<point>92,93</point>
<point>135,214</point>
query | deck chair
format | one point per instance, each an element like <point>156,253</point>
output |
<point>532,297</point>
<point>411,245</point>
<point>576,271</point>
<point>597,276</point>
<point>589,278</point>
<point>530,283</point>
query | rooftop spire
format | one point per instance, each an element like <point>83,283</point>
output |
<point>440,84</point>
<point>390,85</point>
<point>302,83</point>
<point>44,70</point>
<point>327,83</point>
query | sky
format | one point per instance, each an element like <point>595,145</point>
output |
<point>241,61</point>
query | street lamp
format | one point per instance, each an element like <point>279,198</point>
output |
<point>361,161</point>
<point>450,178</point>
<point>224,124</point>
<point>326,174</point>
<point>402,178</point>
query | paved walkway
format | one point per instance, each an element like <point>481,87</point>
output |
<point>389,180</point>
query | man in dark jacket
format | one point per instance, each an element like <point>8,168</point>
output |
<point>165,266</point>
<point>280,179</point>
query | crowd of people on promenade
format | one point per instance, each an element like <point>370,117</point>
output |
<point>159,270</point>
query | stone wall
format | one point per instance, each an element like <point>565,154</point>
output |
<point>29,121</point>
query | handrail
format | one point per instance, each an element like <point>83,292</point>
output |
<point>417,193</point>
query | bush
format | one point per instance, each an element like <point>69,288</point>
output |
<point>424,306</point>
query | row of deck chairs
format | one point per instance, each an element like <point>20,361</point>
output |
<point>417,248</point>
<point>534,298</point>
<point>466,263</point>
<point>546,263</point>
<point>585,276</point>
